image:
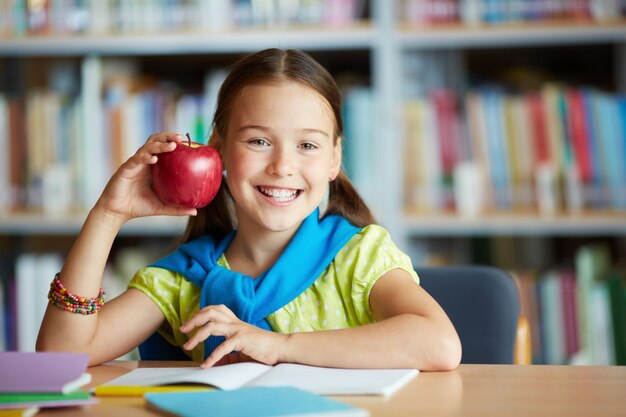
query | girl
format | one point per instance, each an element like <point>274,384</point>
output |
<point>267,272</point>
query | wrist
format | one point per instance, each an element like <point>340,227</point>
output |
<point>287,352</point>
<point>103,217</point>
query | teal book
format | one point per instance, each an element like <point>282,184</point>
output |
<point>593,263</point>
<point>617,297</point>
<point>552,318</point>
<point>251,402</point>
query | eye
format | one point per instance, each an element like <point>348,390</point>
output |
<point>308,146</point>
<point>260,142</point>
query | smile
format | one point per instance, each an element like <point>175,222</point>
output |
<point>279,194</point>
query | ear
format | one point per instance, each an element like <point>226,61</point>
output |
<point>335,166</point>
<point>216,141</point>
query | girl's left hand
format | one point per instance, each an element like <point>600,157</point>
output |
<point>250,341</point>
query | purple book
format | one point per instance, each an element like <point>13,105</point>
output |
<point>42,372</point>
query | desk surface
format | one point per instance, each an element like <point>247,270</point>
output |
<point>470,390</point>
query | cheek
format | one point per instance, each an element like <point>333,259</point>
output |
<point>236,163</point>
<point>317,171</point>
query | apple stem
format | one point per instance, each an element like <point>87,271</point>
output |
<point>189,139</point>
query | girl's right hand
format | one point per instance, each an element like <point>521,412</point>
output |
<point>129,193</point>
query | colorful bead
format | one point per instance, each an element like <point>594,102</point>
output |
<point>62,298</point>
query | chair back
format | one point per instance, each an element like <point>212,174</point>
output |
<point>483,305</point>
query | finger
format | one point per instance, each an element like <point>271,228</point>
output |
<point>227,312</point>
<point>147,154</point>
<point>156,148</point>
<point>157,144</point>
<point>220,352</point>
<point>203,333</point>
<point>165,137</point>
<point>206,314</point>
<point>178,211</point>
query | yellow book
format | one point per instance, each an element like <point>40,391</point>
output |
<point>20,412</point>
<point>139,391</point>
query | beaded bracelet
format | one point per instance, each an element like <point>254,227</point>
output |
<point>62,298</point>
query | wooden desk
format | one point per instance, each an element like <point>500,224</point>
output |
<point>471,390</point>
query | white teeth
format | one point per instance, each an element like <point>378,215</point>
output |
<point>278,194</point>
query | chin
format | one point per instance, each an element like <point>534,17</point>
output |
<point>281,225</point>
<point>282,222</point>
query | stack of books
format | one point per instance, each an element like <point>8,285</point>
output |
<point>33,380</point>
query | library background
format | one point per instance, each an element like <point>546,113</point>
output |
<point>479,131</point>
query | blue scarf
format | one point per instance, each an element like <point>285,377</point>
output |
<point>308,254</point>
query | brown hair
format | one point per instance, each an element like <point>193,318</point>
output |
<point>276,65</point>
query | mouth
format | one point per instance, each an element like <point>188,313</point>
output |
<point>281,195</point>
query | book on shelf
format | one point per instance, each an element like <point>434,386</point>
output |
<point>579,134</point>
<point>428,12</point>
<point>552,330</point>
<point>423,161</point>
<point>576,315</point>
<point>359,114</point>
<point>5,155</point>
<point>550,150</point>
<point>251,402</point>
<point>612,147</point>
<point>616,283</point>
<point>568,307</point>
<point>499,12</point>
<point>319,380</point>
<point>57,17</point>
<point>33,274</point>
<point>529,307</point>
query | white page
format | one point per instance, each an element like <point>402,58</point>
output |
<point>225,377</point>
<point>336,381</point>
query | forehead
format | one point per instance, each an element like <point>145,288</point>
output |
<point>288,104</point>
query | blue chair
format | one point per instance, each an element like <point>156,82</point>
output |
<point>483,304</point>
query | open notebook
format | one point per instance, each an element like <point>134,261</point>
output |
<point>318,380</point>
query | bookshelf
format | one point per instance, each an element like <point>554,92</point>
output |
<point>563,249</point>
<point>378,48</point>
<point>355,36</point>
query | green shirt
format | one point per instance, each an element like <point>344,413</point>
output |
<point>339,298</point>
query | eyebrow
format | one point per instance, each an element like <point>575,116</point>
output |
<point>267,129</point>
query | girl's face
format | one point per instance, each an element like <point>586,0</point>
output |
<point>279,154</point>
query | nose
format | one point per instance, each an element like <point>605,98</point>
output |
<point>281,163</point>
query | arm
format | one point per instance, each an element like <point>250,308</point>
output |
<point>126,321</point>
<point>411,331</point>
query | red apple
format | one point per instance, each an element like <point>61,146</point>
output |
<point>189,176</point>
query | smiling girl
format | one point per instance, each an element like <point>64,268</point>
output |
<point>285,265</point>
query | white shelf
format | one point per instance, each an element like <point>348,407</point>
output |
<point>510,35</point>
<point>386,39</point>
<point>359,36</point>
<point>40,225</point>
<point>587,224</point>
